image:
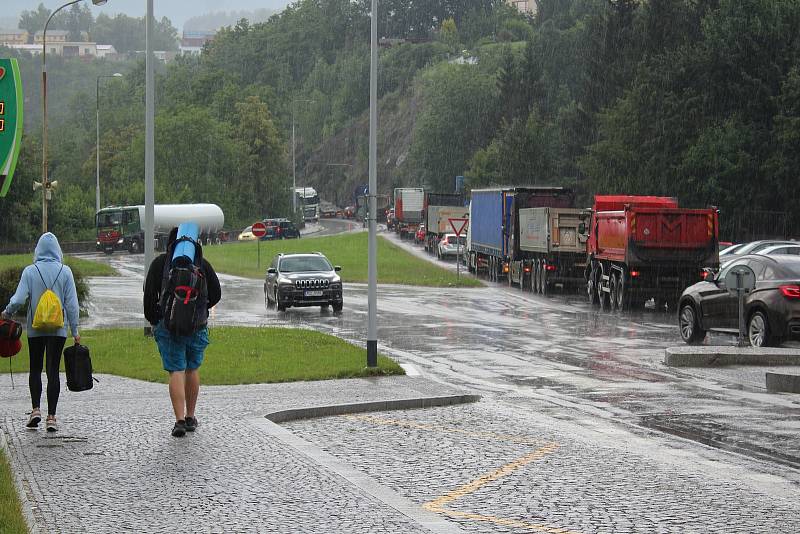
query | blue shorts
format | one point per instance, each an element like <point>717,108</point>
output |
<point>179,353</point>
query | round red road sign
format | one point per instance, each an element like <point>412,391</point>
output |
<point>259,229</point>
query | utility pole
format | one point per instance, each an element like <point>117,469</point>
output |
<point>372,294</point>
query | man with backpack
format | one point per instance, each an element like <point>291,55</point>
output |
<point>177,297</point>
<point>49,288</point>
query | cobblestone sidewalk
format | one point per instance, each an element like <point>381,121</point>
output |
<point>113,466</point>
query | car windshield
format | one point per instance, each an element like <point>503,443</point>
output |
<point>731,249</point>
<point>304,263</point>
<point>248,229</point>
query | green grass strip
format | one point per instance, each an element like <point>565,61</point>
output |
<point>395,265</point>
<point>85,267</point>
<point>236,355</point>
<point>11,519</point>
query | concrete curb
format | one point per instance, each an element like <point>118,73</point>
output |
<point>428,520</point>
<point>779,382</point>
<point>284,416</point>
<point>25,504</point>
<point>705,356</point>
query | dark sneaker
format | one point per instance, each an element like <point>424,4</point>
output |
<point>179,430</point>
<point>191,424</point>
<point>50,425</point>
<point>34,420</point>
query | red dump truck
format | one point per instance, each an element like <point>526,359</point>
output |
<point>643,247</point>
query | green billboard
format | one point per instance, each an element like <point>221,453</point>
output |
<point>10,121</point>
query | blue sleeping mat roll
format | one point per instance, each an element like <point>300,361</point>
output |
<point>185,249</point>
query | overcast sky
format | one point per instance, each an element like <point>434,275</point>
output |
<point>178,11</point>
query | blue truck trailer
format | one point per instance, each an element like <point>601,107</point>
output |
<point>493,236</point>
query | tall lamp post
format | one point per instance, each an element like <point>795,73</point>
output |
<point>46,184</point>
<point>294,165</point>
<point>372,290</point>
<point>97,146</point>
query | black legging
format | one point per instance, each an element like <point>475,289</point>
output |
<point>36,348</point>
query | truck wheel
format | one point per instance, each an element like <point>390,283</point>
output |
<point>591,286</point>
<point>602,296</point>
<point>623,299</point>
<point>689,325</point>
<point>543,279</point>
<point>613,284</point>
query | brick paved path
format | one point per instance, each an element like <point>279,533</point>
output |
<point>114,467</point>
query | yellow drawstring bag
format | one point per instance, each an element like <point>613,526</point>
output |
<point>49,315</point>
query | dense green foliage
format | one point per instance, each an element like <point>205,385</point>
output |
<point>696,99</point>
<point>236,355</point>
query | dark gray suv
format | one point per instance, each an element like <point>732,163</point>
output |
<point>772,309</point>
<point>303,280</point>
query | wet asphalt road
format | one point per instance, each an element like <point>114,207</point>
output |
<point>551,355</point>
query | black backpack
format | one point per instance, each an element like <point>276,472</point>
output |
<point>78,368</point>
<point>184,296</point>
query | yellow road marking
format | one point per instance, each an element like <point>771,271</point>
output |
<point>438,505</point>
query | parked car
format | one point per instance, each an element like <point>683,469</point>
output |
<point>295,280</point>
<point>754,247</point>
<point>419,236</point>
<point>772,309</point>
<point>781,249</point>
<point>450,245</point>
<point>280,229</point>
<point>730,250</point>
<point>246,234</point>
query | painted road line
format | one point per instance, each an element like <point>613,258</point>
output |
<point>544,448</point>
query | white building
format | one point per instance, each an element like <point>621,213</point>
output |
<point>524,6</point>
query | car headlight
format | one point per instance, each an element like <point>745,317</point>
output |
<point>336,286</point>
<point>120,241</point>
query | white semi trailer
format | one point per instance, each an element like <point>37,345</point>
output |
<point>122,227</point>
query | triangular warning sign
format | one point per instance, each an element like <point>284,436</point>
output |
<point>458,225</point>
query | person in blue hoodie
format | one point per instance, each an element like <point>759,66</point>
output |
<point>47,272</point>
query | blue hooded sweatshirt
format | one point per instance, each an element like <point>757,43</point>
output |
<point>49,259</point>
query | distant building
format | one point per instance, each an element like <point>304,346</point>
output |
<point>107,52</point>
<point>164,56</point>
<point>13,37</point>
<point>66,49</point>
<point>53,36</point>
<point>192,42</point>
<point>524,6</point>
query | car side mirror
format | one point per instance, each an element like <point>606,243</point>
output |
<point>272,270</point>
<point>337,268</point>
<point>582,228</point>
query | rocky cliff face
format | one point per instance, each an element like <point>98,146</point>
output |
<point>341,163</point>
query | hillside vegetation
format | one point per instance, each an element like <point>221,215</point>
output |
<point>690,98</point>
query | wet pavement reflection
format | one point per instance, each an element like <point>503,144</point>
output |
<point>553,353</point>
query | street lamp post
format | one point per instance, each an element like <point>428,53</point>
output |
<point>46,185</point>
<point>97,146</point>
<point>372,292</point>
<point>294,165</point>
